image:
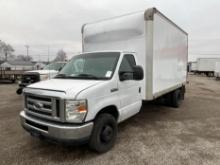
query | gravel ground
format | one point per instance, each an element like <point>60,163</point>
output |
<point>157,135</point>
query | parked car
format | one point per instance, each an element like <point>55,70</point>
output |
<point>30,77</point>
<point>127,59</point>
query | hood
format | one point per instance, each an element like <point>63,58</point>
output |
<point>43,71</point>
<point>64,85</point>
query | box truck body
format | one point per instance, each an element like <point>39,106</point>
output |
<point>127,59</point>
<point>207,65</point>
<point>160,45</point>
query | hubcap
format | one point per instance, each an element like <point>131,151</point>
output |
<point>106,133</point>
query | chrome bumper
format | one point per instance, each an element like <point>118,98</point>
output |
<point>58,132</point>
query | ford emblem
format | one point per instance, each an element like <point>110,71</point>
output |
<point>38,105</point>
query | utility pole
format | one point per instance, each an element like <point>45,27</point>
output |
<point>27,47</point>
<point>48,53</point>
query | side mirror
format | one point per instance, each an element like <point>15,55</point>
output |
<point>138,73</point>
<point>123,76</point>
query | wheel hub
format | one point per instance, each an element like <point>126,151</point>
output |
<point>107,133</point>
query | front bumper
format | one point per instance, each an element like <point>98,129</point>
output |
<point>56,132</point>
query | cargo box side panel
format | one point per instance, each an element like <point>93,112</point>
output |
<point>170,55</point>
<point>125,33</point>
<point>207,64</point>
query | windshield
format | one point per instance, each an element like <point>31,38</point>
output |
<point>91,66</point>
<point>54,66</point>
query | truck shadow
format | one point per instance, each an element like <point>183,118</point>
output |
<point>150,113</point>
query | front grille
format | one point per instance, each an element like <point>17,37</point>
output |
<point>29,78</point>
<point>42,106</point>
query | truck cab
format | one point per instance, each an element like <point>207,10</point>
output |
<point>48,72</point>
<point>86,100</point>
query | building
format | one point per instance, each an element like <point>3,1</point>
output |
<point>17,65</point>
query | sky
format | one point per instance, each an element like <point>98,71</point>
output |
<point>51,25</point>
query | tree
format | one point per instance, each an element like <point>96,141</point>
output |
<point>24,58</point>
<point>6,49</point>
<point>11,57</point>
<point>61,55</point>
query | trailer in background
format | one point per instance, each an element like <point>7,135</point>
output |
<point>10,71</point>
<point>10,75</point>
<point>207,66</point>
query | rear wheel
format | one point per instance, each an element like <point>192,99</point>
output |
<point>175,98</point>
<point>104,133</point>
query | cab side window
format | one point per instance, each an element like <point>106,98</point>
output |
<point>126,67</point>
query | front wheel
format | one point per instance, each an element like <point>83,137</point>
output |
<point>19,91</point>
<point>104,133</point>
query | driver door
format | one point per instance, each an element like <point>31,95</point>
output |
<point>129,89</point>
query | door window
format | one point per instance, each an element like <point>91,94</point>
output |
<point>126,67</point>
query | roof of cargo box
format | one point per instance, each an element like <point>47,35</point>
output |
<point>148,15</point>
<point>109,51</point>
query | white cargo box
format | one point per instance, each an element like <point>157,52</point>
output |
<point>207,64</point>
<point>160,45</point>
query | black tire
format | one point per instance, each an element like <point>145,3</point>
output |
<point>182,92</point>
<point>19,91</point>
<point>175,98</point>
<point>104,133</point>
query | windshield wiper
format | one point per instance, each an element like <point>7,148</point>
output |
<point>61,76</point>
<point>87,76</point>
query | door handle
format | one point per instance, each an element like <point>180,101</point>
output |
<point>114,90</point>
<point>139,90</point>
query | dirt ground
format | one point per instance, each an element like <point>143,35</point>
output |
<point>157,135</point>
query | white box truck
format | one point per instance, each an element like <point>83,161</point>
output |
<point>217,70</point>
<point>126,59</point>
<point>206,66</point>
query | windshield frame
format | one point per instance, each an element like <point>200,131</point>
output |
<point>118,54</point>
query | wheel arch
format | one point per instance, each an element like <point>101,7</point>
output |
<point>111,109</point>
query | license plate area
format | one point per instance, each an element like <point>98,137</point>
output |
<point>37,126</point>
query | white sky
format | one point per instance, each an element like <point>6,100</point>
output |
<point>57,23</point>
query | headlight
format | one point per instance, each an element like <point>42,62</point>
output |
<point>44,77</point>
<point>75,110</point>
